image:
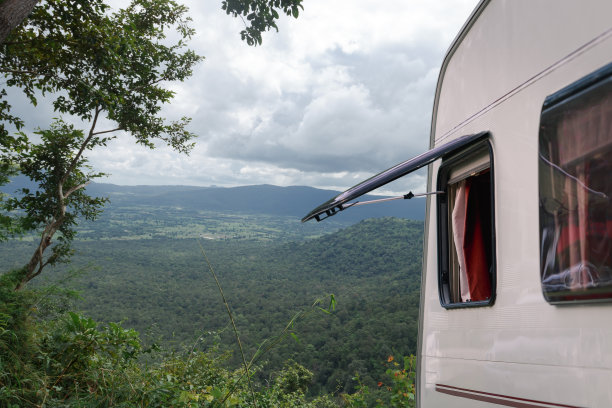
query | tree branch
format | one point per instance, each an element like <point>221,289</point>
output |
<point>45,241</point>
<point>108,131</point>
<point>149,84</point>
<point>75,188</point>
<point>80,153</point>
<point>40,268</point>
<point>18,42</point>
<point>58,219</point>
<point>17,71</point>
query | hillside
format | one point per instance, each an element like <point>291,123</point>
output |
<point>294,201</point>
<point>160,283</point>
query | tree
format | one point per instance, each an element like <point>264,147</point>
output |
<point>262,15</point>
<point>94,65</point>
<point>60,198</point>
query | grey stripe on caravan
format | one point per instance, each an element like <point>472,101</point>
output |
<point>498,399</point>
<point>547,71</point>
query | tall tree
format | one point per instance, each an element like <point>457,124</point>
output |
<point>98,66</point>
<point>94,64</point>
<point>60,198</point>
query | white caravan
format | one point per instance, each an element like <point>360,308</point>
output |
<point>516,296</point>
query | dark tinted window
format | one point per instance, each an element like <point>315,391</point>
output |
<point>575,183</point>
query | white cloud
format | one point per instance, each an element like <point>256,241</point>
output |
<point>340,93</point>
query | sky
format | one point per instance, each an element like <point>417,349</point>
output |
<point>336,96</point>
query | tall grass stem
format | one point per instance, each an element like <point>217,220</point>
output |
<point>231,317</point>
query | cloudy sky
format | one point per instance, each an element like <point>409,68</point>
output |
<point>339,94</point>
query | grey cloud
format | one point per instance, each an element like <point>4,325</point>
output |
<point>331,119</point>
<point>378,117</point>
<point>34,117</point>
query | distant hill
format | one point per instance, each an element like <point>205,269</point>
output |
<point>294,201</point>
<point>260,199</point>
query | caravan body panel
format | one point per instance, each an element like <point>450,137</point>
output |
<point>520,350</point>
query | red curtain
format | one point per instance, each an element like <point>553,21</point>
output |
<point>477,239</point>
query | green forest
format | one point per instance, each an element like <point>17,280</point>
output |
<point>160,286</point>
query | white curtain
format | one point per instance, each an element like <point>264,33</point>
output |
<point>459,215</point>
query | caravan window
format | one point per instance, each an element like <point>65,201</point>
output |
<point>575,183</point>
<point>466,229</point>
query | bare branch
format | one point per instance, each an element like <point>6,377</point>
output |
<point>80,153</point>
<point>17,71</point>
<point>39,270</point>
<point>37,257</point>
<point>108,131</point>
<point>18,42</point>
<point>75,188</point>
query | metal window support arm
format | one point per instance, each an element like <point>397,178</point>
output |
<point>339,203</point>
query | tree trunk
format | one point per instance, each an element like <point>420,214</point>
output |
<point>12,13</point>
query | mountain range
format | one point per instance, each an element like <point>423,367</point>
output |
<point>294,201</point>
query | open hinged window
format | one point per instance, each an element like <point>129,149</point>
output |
<point>341,201</point>
<point>575,182</point>
<point>465,216</point>
<point>466,229</point>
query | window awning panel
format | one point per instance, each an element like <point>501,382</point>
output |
<point>338,203</point>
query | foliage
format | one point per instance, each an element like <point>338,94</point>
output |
<point>373,269</point>
<point>92,62</point>
<point>45,164</point>
<point>399,392</point>
<point>60,199</point>
<point>17,347</point>
<point>293,383</point>
<point>402,379</point>
<point>76,362</point>
<point>361,398</point>
<point>9,146</point>
<point>94,65</point>
<point>261,15</point>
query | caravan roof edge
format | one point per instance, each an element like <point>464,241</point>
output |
<point>447,57</point>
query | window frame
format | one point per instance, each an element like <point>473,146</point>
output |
<point>442,206</point>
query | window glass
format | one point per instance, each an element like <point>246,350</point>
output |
<point>575,183</point>
<point>466,230</point>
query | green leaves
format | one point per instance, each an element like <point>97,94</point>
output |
<point>9,147</point>
<point>47,163</point>
<point>402,382</point>
<point>261,15</point>
<point>93,64</point>
<point>89,60</point>
<point>59,169</point>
